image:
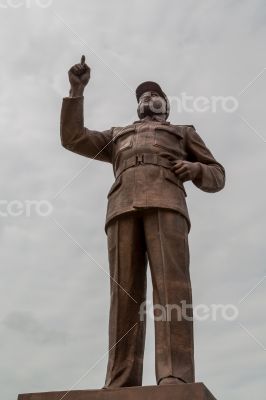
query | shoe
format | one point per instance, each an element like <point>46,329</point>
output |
<point>170,380</point>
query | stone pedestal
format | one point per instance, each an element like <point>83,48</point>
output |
<point>191,391</point>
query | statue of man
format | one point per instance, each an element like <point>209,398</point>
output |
<point>147,221</point>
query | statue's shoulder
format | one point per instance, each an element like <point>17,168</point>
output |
<point>181,130</point>
<point>121,130</point>
<point>181,127</point>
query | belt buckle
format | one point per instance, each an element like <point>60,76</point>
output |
<point>139,159</point>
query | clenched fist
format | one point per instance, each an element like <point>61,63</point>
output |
<point>186,170</point>
<point>79,76</point>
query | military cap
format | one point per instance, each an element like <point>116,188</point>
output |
<point>149,86</point>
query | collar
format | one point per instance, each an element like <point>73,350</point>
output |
<point>154,118</point>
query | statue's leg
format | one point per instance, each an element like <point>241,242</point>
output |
<point>128,264</point>
<point>166,234</point>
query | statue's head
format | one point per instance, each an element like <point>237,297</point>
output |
<point>152,100</point>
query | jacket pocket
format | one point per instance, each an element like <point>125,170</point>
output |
<point>167,137</point>
<point>171,177</point>
<point>115,185</point>
<point>123,138</point>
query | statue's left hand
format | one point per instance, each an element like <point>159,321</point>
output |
<point>186,170</point>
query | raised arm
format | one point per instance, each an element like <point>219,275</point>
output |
<point>74,136</point>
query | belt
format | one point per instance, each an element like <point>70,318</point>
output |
<point>146,158</point>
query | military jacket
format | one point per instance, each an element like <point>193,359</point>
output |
<point>142,155</point>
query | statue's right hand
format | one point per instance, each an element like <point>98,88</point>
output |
<point>79,76</point>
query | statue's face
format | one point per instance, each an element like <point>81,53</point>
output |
<point>151,103</point>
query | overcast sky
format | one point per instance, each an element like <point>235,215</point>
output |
<point>54,297</point>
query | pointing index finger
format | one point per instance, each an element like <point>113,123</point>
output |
<point>83,59</point>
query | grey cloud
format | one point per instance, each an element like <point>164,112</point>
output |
<point>27,325</point>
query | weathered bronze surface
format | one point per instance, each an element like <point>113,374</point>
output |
<point>147,220</point>
<point>196,391</point>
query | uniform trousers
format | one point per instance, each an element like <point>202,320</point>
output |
<point>159,237</point>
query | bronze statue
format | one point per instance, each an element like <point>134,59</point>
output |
<point>147,220</point>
